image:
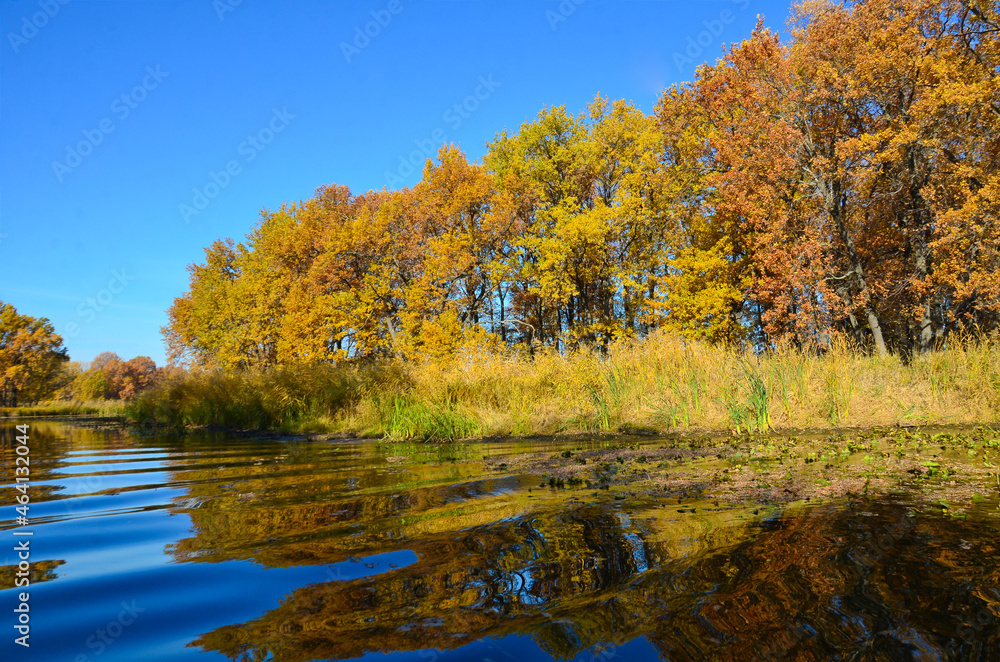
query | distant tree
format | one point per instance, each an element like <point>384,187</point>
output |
<point>90,385</point>
<point>110,377</point>
<point>105,361</point>
<point>136,374</point>
<point>31,357</point>
<point>68,372</point>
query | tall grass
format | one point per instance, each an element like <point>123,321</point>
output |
<point>283,398</point>
<point>109,408</point>
<point>407,418</point>
<point>659,383</point>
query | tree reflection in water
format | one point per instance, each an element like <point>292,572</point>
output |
<point>859,581</point>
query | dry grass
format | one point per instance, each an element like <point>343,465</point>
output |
<point>661,383</point>
<point>66,408</point>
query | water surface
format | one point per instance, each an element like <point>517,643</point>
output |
<point>221,547</point>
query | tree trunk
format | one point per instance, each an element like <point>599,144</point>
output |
<point>924,337</point>
<point>876,328</point>
<point>835,207</point>
<point>392,336</point>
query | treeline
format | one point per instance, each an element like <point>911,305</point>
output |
<point>842,184</point>
<point>108,377</point>
<point>35,366</point>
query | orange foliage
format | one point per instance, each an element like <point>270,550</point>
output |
<point>843,183</point>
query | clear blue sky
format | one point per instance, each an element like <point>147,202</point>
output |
<point>113,113</point>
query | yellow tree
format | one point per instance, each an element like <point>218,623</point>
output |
<point>204,323</point>
<point>31,356</point>
<point>449,299</point>
<point>585,189</point>
<point>705,281</point>
<point>543,172</point>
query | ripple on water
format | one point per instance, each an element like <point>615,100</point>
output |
<point>225,548</point>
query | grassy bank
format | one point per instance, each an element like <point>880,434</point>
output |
<point>662,383</point>
<point>66,408</point>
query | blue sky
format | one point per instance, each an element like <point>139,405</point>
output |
<point>134,133</point>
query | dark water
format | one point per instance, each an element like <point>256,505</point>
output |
<point>222,548</point>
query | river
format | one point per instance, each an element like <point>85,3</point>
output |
<point>228,547</point>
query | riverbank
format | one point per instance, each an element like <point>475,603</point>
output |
<point>102,408</point>
<point>658,385</point>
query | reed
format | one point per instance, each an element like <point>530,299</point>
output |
<point>660,383</point>
<point>103,408</point>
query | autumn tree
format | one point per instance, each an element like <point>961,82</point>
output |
<point>31,355</point>
<point>843,182</point>
<point>460,243</point>
<point>835,169</point>
<point>585,189</point>
<point>109,377</point>
<point>898,144</point>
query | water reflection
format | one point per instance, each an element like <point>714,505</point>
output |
<point>280,550</point>
<point>864,582</point>
<point>42,571</point>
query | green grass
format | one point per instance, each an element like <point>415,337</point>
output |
<point>405,418</point>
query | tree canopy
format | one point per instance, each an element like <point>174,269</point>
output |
<point>31,355</point>
<point>843,183</point>
<point>109,377</point>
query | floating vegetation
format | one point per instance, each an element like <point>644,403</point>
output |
<point>946,466</point>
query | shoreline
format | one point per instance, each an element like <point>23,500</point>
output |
<point>658,385</point>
